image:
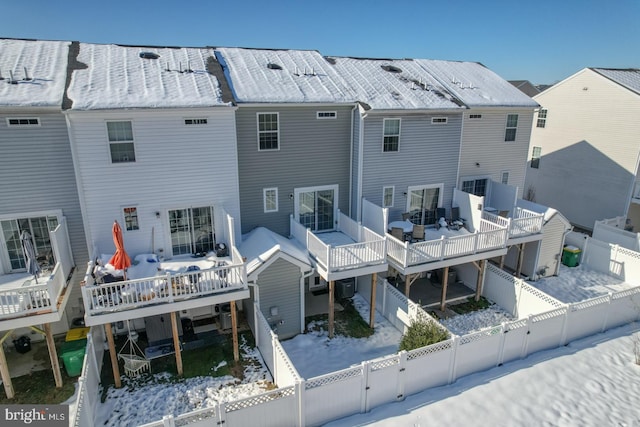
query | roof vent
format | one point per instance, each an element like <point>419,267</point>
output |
<point>11,79</point>
<point>331,61</point>
<point>149,55</point>
<point>391,68</point>
<point>26,75</point>
<point>273,66</point>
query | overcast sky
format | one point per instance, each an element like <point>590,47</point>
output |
<point>541,41</point>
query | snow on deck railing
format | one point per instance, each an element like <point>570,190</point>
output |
<point>166,288</point>
<point>33,297</point>
<point>491,236</point>
<point>525,222</point>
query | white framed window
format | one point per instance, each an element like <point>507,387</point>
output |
<point>391,135</point>
<point>536,153</point>
<point>475,116</point>
<point>511,128</point>
<point>387,196</point>
<point>439,120</point>
<point>478,186</point>
<point>23,121</point>
<point>120,134</point>
<point>542,118</point>
<point>504,177</point>
<point>316,208</point>
<point>268,131</point>
<point>326,115</point>
<point>270,199</point>
<point>130,215</point>
<point>196,121</point>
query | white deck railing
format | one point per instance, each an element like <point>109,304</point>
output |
<point>369,249</point>
<point>33,297</point>
<point>523,222</point>
<point>167,288</point>
<point>488,237</point>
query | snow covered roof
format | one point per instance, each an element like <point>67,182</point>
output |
<point>261,244</point>
<point>39,70</point>
<point>476,85</point>
<point>541,209</point>
<point>629,78</point>
<point>282,76</point>
<point>144,77</point>
<point>385,84</point>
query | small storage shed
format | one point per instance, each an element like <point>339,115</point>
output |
<point>276,268</point>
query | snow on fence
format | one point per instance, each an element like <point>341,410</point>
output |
<point>82,413</point>
<point>615,231</point>
<point>612,259</point>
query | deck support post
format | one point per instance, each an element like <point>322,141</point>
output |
<point>234,331</point>
<point>53,355</point>
<point>4,370</point>
<point>520,258</point>
<point>502,261</point>
<point>113,356</point>
<point>372,309</point>
<point>480,279</point>
<point>176,343</point>
<point>445,280</point>
<point>331,290</point>
<point>407,285</point>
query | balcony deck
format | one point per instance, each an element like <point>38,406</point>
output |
<point>350,251</point>
<point>443,247</point>
<point>160,287</point>
<point>523,225</point>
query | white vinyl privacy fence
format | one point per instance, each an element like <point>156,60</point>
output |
<point>82,413</point>
<point>542,323</point>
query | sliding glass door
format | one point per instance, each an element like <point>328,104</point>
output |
<point>38,228</point>
<point>191,230</point>
<point>316,207</point>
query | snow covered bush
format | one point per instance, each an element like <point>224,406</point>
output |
<point>422,333</point>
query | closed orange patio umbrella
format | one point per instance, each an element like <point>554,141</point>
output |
<point>120,260</point>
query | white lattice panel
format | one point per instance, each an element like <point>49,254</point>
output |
<point>384,363</point>
<point>334,377</point>
<point>208,414</point>
<point>480,335</point>
<point>259,399</point>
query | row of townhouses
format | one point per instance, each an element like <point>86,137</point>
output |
<point>292,171</point>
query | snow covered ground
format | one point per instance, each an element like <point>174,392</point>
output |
<point>591,382</point>
<point>574,284</point>
<point>463,324</point>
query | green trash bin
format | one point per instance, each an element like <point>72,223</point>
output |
<point>571,256</point>
<point>72,355</point>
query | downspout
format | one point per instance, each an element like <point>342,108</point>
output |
<point>460,149</point>
<point>351,164</point>
<point>256,300</point>
<point>302,291</point>
<point>633,186</point>
<point>360,167</point>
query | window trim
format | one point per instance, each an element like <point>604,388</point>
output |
<point>264,199</point>
<point>131,141</point>
<point>542,120</point>
<point>439,120</point>
<point>332,115</point>
<point>124,218</point>
<point>384,135</point>
<point>277,114</point>
<point>393,195</point>
<point>535,160</point>
<point>502,173</point>
<point>475,116</point>
<point>507,128</point>
<point>487,190</point>
<point>316,189</point>
<point>23,125</point>
<point>411,188</point>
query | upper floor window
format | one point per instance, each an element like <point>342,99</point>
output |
<point>326,115</point>
<point>131,218</point>
<point>535,157</point>
<point>542,118</point>
<point>391,136</point>
<point>475,116</point>
<point>512,126</point>
<point>23,121</point>
<point>270,199</point>
<point>439,120</point>
<point>387,197</point>
<point>268,134</point>
<point>121,142</point>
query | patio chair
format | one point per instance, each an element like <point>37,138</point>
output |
<point>406,216</point>
<point>418,232</point>
<point>440,213</point>
<point>455,222</point>
<point>398,233</point>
